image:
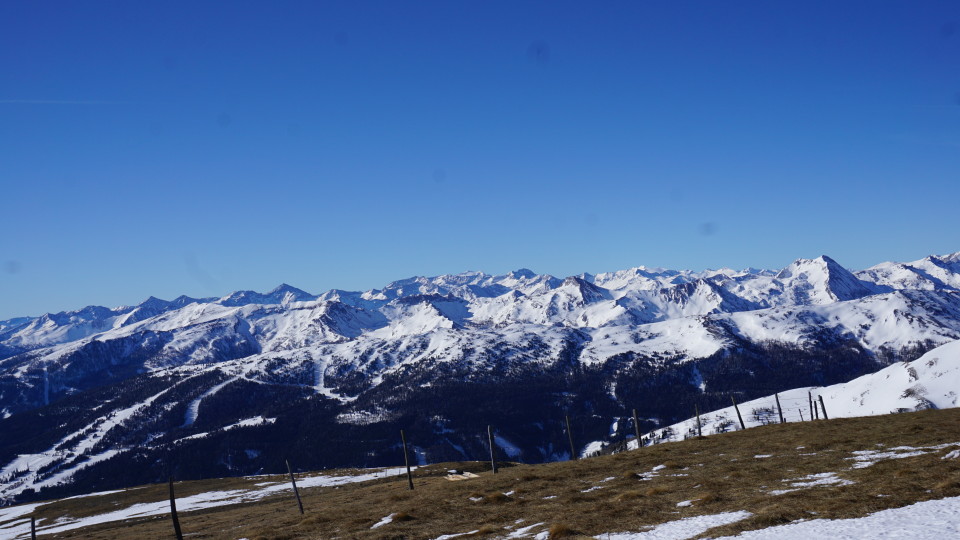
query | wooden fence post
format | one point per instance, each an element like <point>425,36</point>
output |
<point>779,409</point>
<point>493,458</point>
<point>573,452</point>
<point>636,427</point>
<point>696,409</point>
<point>825,417</point>
<point>173,513</point>
<point>736,408</point>
<point>801,414</point>
<point>810,399</point>
<point>294,482</point>
<point>406,459</point>
<point>33,524</point>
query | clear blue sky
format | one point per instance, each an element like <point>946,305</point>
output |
<point>167,148</point>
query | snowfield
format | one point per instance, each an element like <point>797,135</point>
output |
<point>13,526</point>
<point>931,381</point>
<point>928,520</point>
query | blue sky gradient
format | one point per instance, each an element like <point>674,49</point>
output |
<point>167,148</point>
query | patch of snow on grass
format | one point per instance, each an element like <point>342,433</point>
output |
<point>652,473</point>
<point>928,520</point>
<point>329,481</point>
<point>11,519</point>
<point>681,529</point>
<point>446,536</point>
<point>866,458</point>
<point>524,531</point>
<point>97,494</point>
<point>384,521</point>
<point>199,501</point>
<point>820,479</point>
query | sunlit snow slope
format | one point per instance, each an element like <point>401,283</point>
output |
<point>929,382</point>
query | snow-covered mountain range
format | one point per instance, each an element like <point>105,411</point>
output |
<point>98,389</point>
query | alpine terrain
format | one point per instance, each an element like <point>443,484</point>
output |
<point>104,398</point>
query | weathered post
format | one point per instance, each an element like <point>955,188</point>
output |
<point>33,522</point>
<point>736,408</point>
<point>406,458</point>
<point>294,482</point>
<point>825,417</point>
<point>636,427</point>
<point>810,399</point>
<point>779,409</point>
<point>173,513</point>
<point>801,414</point>
<point>493,458</point>
<point>696,409</point>
<point>573,452</point>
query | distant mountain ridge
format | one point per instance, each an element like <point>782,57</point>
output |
<point>804,282</point>
<point>100,388</point>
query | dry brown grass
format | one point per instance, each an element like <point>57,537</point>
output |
<point>719,473</point>
<point>658,490</point>
<point>561,530</point>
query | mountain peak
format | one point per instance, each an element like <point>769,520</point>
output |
<point>822,263</point>
<point>587,291</point>
<point>949,258</point>
<point>285,288</point>
<point>522,273</point>
<point>153,302</point>
<point>588,277</point>
<point>822,281</point>
<point>280,294</point>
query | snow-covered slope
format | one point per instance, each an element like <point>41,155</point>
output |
<point>931,381</point>
<point>932,272</point>
<point>55,328</point>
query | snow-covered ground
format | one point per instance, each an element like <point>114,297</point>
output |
<point>681,528</point>
<point>928,520</point>
<point>15,520</point>
<point>931,381</point>
<point>937,519</point>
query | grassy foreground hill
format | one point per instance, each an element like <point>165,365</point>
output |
<point>771,475</point>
